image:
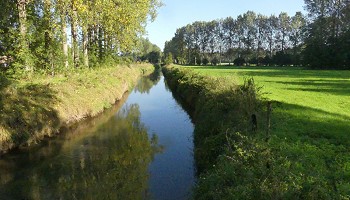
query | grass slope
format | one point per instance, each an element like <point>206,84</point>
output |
<point>39,106</point>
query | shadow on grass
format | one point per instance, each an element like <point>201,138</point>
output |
<point>299,122</point>
<point>336,87</point>
<point>26,111</point>
<point>316,143</point>
<point>290,72</point>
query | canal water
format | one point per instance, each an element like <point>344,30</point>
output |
<point>142,148</point>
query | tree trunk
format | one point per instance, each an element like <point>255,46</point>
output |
<point>47,34</point>
<point>283,36</point>
<point>75,47</point>
<point>270,47</point>
<point>62,13</point>
<point>100,43</point>
<point>85,47</point>
<point>24,47</point>
<point>64,40</point>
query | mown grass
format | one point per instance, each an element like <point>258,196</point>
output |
<point>39,105</point>
<point>307,156</point>
<point>313,103</point>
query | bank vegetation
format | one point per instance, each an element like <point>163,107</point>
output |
<point>236,154</point>
<point>39,106</point>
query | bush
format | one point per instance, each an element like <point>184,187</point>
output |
<point>215,61</point>
<point>239,61</point>
<point>205,61</point>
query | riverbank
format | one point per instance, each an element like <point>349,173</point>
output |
<point>236,162</point>
<point>39,106</point>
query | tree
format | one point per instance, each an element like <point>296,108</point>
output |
<point>271,30</point>
<point>229,37</point>
<point>8,21</point>
<point>251,36</point>
<point>298,23</point>
<point>326,33</point>
<point>154,57</point>
<point>148,51</point>
<point>262,28</point>
<point>62,9</point>
<point>283,30</point>
<point>23,53</point>
<point>168,59</point>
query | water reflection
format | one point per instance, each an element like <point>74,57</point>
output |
<point>145,84</point>
<point>110,162</point>
<point>114,156</point>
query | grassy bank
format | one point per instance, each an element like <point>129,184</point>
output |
<point>40,105</point>
<point>307,155</point>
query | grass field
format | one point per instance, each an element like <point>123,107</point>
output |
<point>312,103</point>
<point>308,153</point>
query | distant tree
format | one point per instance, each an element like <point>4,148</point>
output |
<point>298,23</point>
<point>230,53</point>
<point>251,36</point>
<point>154,57</point>
<point>261,24</point>
<point>215,61</point>
<point>239,61</point>
<point>327,33</point>
<point>148,51</point>
<point>205,61</point>
<point>229,32</point>
<point>271,32</point>
<point>168,59</point>
<point>283,30</point>
<point>250,31</point>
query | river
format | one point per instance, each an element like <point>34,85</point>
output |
<point>142,148</point>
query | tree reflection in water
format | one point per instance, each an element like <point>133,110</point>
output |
<point>110,163</point>
<point>145,84</point>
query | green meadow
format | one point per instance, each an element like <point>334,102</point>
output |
<point>309,103</point>
<point>310,130</point>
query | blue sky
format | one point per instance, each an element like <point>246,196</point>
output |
<point>177,13</point>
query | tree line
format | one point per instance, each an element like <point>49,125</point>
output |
<point>269,40</point>
<point>35,33</point>
<point>148,52</point>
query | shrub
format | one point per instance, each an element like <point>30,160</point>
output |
<point>205,61</point>
<point>215,61</point>
<point>239,61</point>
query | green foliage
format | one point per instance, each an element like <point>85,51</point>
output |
<point>326,45</point>
<point>215,61</point>
<point>247,37</point>
<point>307,155</point>
<point>320,41</point>
<point>205,61</point>
<point>34,33</point>
<point>168,59</point>
<point>146,51</point>
<point>239,61</point>
<point>213,100</point>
